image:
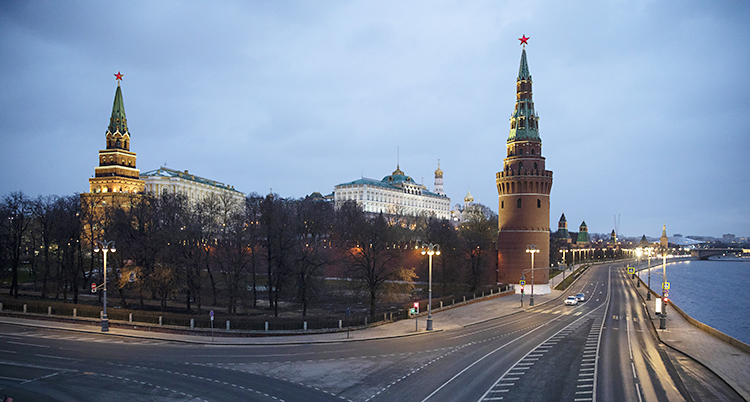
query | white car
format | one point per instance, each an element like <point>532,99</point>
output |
<point>571,301</point>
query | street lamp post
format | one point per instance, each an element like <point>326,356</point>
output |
<point>532,249</point>
<point>639,253</point>
<point>648,253</point>
<point>104,247</point>
<point>431,249</point>
<point>663,320</point>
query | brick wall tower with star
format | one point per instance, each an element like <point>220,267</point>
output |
<point>116,182</point>
<point>523,188</point>
<point>116,172</point>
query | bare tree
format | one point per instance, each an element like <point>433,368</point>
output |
<point>476,234</point>
<point>368,241</point>
<point>442,232</point>
<point>18,212</point>
<point>254,238</point>
<point>313,231</point>
<point>279,242</point>
<point>44,208</point>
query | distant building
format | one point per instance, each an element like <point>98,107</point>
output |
<point>583,235</point>
<point>562,235</point>
<point>195,188</point>
<point>459,213</point>
<point>643,242</point>
<point>728,238</point>
<point>396,193</point>
<point>664,240</point>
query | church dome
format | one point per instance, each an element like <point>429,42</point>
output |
<point>469,197</point>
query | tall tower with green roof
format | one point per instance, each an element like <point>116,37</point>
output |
<point>523,188</point>
<point>116,172</point>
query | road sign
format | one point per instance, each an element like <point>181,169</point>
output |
<point>522,282</point>
<point>211,314</point>
<point>93,288</point>
<point>665,285</point>
<point>631,270</point>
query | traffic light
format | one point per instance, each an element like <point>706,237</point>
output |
<point>522,289</point>
<point>416,307</point>
<point>93,288</point>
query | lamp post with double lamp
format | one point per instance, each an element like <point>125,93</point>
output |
<point>663,320</point>
<point>104,247</point>
<point>648,254</point>
<point>532,249</point>
<point>430,249</point>
<point>639,253</point>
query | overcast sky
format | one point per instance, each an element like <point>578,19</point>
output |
<point>644,106</point>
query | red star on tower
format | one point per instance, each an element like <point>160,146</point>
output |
<point>119,76</point>
<point>524,40</point>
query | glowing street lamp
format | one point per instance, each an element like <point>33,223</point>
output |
<point>663,320</point>
<point>639,253</point>
<point>431,249</point>
<point>532,249</point>
<point>648,253</point>
<point>104,247</point>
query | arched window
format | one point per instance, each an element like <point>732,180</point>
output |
<point>518,203</point>
<point>538,203</point>
<point>536,166</point>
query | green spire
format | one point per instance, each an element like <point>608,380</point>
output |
<point>524,122</point>
<point>523,69</point>
<point>118,122</point>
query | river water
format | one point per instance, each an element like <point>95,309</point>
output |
<point>716,293</point>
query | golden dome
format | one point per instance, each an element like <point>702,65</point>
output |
<point>398,172</point>
<point>469,197</point>
<point>439,172</point>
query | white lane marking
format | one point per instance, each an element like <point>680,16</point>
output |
<point>57,357</point>
<point>12,379</point>
<point>28,344</point>
<point>484,357</point>
<point>40,378</point>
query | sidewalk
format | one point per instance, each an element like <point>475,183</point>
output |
<point>730,363</point>
<point>443,319</point>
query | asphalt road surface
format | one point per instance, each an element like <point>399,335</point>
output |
<point>602,349</point>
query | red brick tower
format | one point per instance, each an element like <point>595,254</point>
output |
<point>523,187</point>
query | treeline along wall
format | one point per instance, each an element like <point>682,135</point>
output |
<point>272,253</point>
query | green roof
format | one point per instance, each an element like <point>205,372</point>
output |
<point>389,182</point>
<point>523,69</point>
<point>118,122</point>
<point>166,172</point>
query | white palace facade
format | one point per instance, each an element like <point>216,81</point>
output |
<point>396,194</point>
<point>195,188</point>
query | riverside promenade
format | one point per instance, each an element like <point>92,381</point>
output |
<point>725,356</point>
<point>729,362</point>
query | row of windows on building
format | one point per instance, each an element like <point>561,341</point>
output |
<point>519,203</point>
<point>390,199</point>
<point>524,187</point>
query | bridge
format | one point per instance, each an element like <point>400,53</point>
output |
<point>704,253</point>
